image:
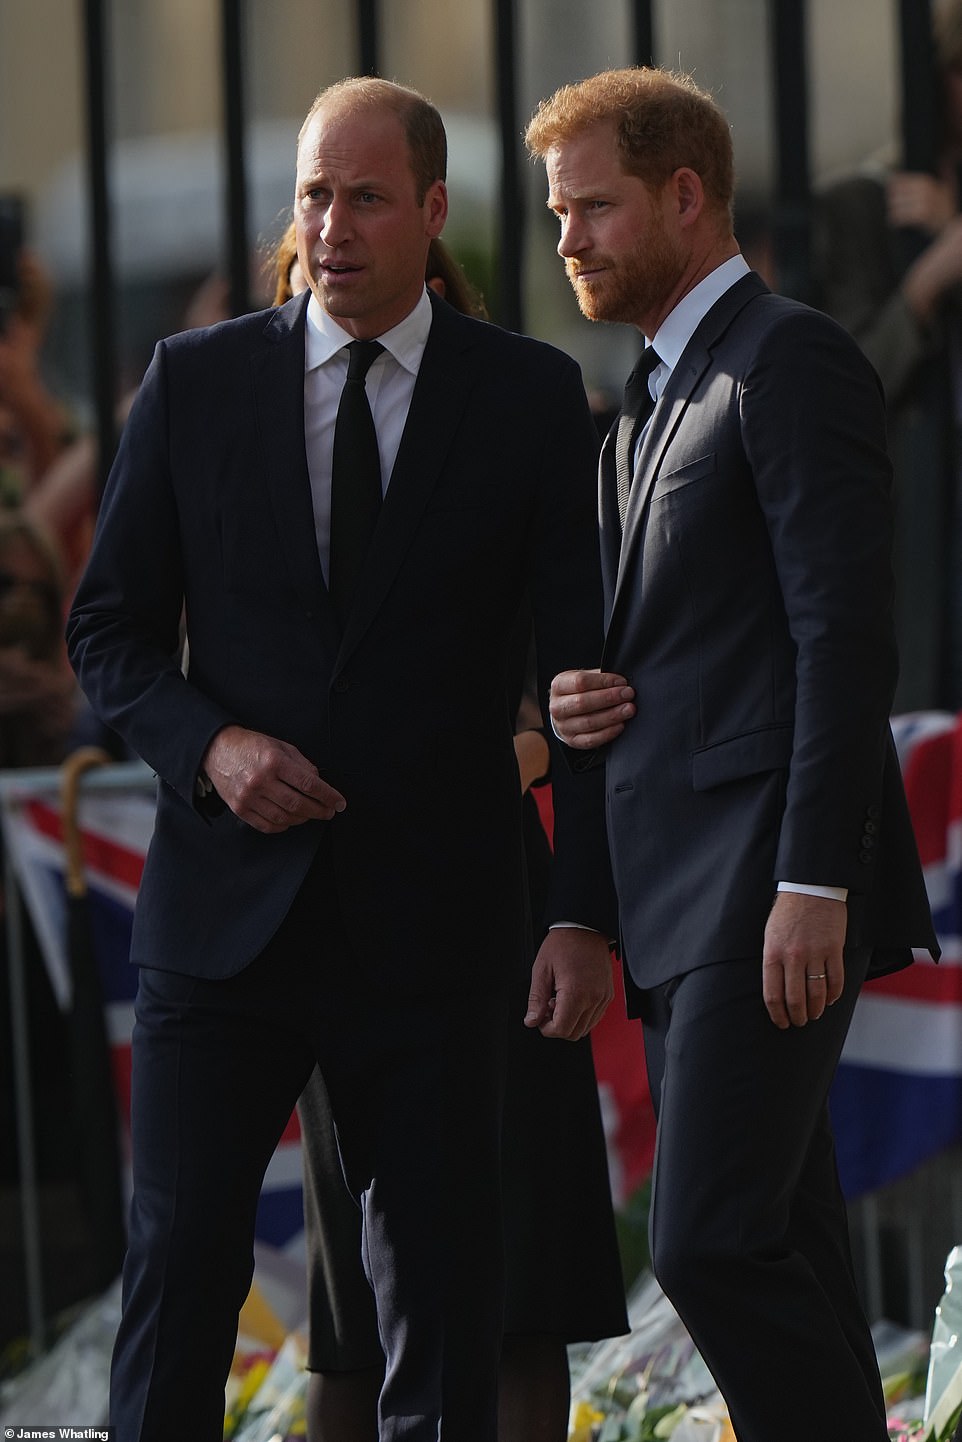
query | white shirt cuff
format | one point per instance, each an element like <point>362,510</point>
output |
<point>831,893</point>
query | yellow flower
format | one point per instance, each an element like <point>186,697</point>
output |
<point>583,1418</point>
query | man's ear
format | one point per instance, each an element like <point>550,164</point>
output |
<point>436,208</point>
<point>689,194</point>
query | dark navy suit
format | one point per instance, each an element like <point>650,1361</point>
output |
<point>385,942</point>
<point>749,605</point>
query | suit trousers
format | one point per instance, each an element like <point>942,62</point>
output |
<point>748,1229</point>
<point>416,1086</point>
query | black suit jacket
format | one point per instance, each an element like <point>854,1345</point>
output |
<point>750,607</point>
<point>209,507</point>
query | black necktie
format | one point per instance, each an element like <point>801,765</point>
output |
<point>355,478</point>
<point>636,409</point>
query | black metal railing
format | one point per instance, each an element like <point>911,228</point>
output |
<point>788,52</point>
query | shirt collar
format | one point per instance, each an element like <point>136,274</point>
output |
<point>678,327</point>
<point>405,341</point>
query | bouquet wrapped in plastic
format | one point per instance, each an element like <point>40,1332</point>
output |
<point>653,1385</point>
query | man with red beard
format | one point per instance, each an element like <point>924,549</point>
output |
<point>762,850</point>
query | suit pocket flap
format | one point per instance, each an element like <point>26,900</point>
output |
<point>684,475</point>
<point>739,756</point>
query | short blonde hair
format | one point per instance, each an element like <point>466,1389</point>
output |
<point>662,120</point>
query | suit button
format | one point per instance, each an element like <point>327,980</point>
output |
<point>341,685</point>
<point>873,812</point>
<point>865,857</point>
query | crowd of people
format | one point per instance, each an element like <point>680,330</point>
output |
<point>361,544</point>
<point>887,254</point>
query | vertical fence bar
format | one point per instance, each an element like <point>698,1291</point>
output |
<point>237,247</point>
<point>510,307</point>
<point>874,1285</point>
<point>920,110</point>
<point>26,1147</point>
<point>368,37</point>
<point>642,32</point>
<point>919,86</point>
<point>929,527</point>
<point>792,190</point>
<point>103,310</point>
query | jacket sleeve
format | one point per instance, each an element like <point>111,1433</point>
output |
<point>813,427</point>
<point>567,604</point>
<point>124,628</point>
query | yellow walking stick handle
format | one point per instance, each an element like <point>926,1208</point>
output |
<point>79,761</point>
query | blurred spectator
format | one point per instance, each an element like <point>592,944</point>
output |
<point>283,269</point>
<point>887,252</point>
<point>34,427</point>
<point>63,501</point>
<point>37,706</point>
<point>37,689</point>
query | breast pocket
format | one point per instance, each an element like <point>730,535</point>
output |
<point>696,470</point>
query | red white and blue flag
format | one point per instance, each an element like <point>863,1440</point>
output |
<point>116,827</point>
<point>897,1098</point>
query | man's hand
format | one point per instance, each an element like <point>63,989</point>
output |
<point>802,966</point>
<point>589,708</point>
<point>937,270</point>
<point>919,200</point>
<point>571,983</point>
<point>267,782</point>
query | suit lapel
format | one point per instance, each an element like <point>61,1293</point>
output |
<point>277,374</point>
<point>668,414</point>
<point>609,519</point>
<point>441,393</point>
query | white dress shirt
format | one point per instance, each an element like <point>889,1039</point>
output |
<point>678,327</point>
<point>390,386</point>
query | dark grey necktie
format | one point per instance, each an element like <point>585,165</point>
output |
<point>355,478</point>
<point>636,409</point>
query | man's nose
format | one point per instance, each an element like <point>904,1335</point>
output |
<point>572,238</point>
<point>337,223</point>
